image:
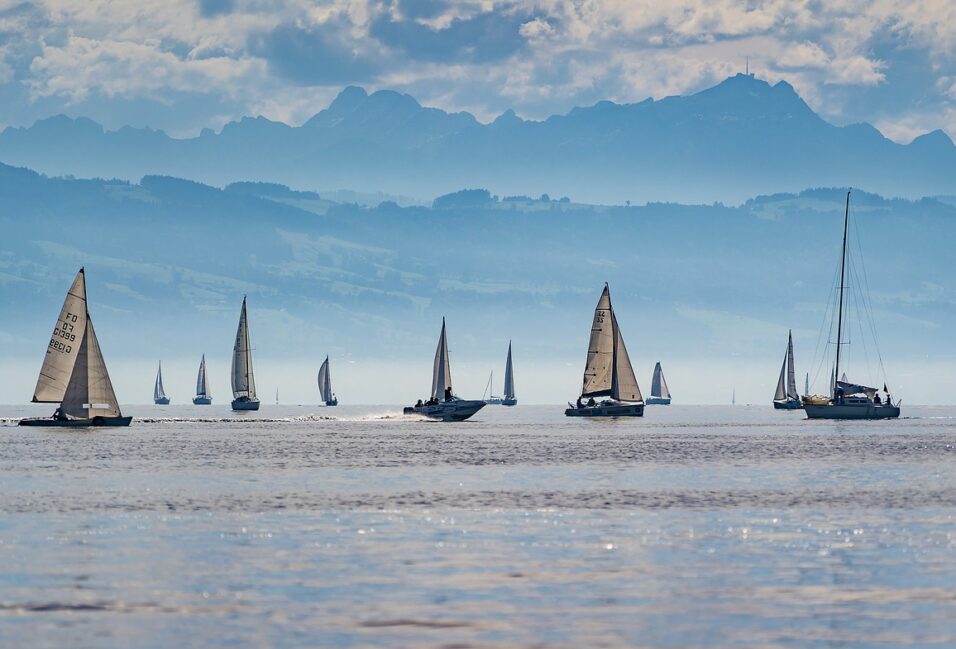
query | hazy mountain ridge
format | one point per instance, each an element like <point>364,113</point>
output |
<point>735,140</point>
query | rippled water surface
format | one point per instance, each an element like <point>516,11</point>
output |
<point>354,527</point>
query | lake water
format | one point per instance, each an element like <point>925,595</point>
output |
<point>694,526</point>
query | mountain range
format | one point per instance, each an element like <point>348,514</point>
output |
<point>740,138</point>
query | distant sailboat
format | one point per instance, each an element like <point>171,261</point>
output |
<point>74,373</point>
<point>159,395</point>
<point>243,381</point>
<point>786,397</point>
<point>203,394</point>
<point>660,393</point>
<point>325,384</point>
<point>509,398</point>
<point>443,404</point>
<point>848,400</point>
<point>608,371</point>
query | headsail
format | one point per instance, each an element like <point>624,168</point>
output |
<point>61,353</point>
<point>201,389</point>
<point>597,370</point>
<point>441,373</point>
<point>158,392</point>
<point>781,393</point>
<point>325,381</point>
<point>659,389</point>
<point>90,393</point>
<point>623,382</point>
<point>509,376</point>
<point>243,382</point>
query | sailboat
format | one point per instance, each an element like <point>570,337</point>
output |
<point>443,404</point>
<point>74,373</point>
<point>848,400</point>
<point>325,384</point>
<point>243,382</point>
<point>786,397</point>
<point>159,395</point>
<point>203,394</point>
<point>608,371</point>
<point>660,393</point>
<point>509,398</point>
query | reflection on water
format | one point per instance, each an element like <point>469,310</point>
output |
<point>354,527</point>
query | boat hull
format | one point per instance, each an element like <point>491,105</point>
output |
<point>332,402</point>
<point>244,403</point>
<point>509,402</point>
<point>457,410</point>
<point>608,410</point>
<point>202,401</point>
<point>657,401</point>
<point>851,411</point>
<point>787,405</point>
<point>95,422</point>
<point>161,402</point>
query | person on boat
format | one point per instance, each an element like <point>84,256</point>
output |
<point>580,403</point>
<point>448,393</point>
<point>59,415</point>
<point>419,404</point>
<point>591,402</point>
<point>838,393</point>
<point>876,399</point>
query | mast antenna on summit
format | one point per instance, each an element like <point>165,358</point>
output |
<point>748,66</point>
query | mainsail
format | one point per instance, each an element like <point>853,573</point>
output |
<point>441,373</point>
<point>90,393</point>
<point>509,376</point>
<point>325,381</point>
<point>158,392</point>
<point>623,382</point>
<point>201,389</point>
<point>659,389</point>
<point>243,382</point>
<point>597,370</point>
<point>64,347</point>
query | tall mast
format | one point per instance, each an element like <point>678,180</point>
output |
<point>846,220</point>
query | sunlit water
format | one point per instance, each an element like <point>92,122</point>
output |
<point>354,527</point>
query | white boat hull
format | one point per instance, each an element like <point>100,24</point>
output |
<point>455,410</point>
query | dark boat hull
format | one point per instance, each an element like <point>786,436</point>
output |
<point>851,411</point>
<point>161,402</point>
<point>787,405</point>
<point>608,410</point>
<point>509,402</point>
<point>245,404</point>
<point>456,410</point>
<point>657,401</point>
<point>202,401</point>
<point>95,422</point>
<point>332,402</point>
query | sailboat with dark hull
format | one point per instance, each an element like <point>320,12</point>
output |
<point>74,373</point>
<point>159,394</point>
<point>443,403</point>
<point>848,400</point>
<point>203,394</point>
<point>786,397</point>
<point>243,381</point>
<point>508,399</point>
<point>660,393</point>
<point>325,384</point>
<point>608,371</point>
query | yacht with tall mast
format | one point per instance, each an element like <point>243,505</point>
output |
<point>159,394</point>
<point>660,393</point>
<point>848,400</point>
<point>243,381</point>
<point>608,371</point>
<point>325,384</point>
<point>443,404</point>
<point>74,373</point>
<point>203,393</point>
<point>508,399</point>
<point>786,397</point>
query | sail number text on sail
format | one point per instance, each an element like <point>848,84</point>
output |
<point>64,332</point>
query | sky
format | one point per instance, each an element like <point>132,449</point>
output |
<point>185,65</point>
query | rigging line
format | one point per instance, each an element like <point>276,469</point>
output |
<point>868,302</point>
<point>823,348</point>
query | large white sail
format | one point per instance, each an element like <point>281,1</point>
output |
<point>791,374</point>
<point>509,376</point>
<point>623,382</point>
<point>201,389</point>
<point>659,387</point>
<point>90,393</point>
<point>158,391</point>
<point>781,393</point>
<point>325,381</point>
<point>64,347</point>
<point>243,382</point>
<point>597,370</point>
<point>441,373</point>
